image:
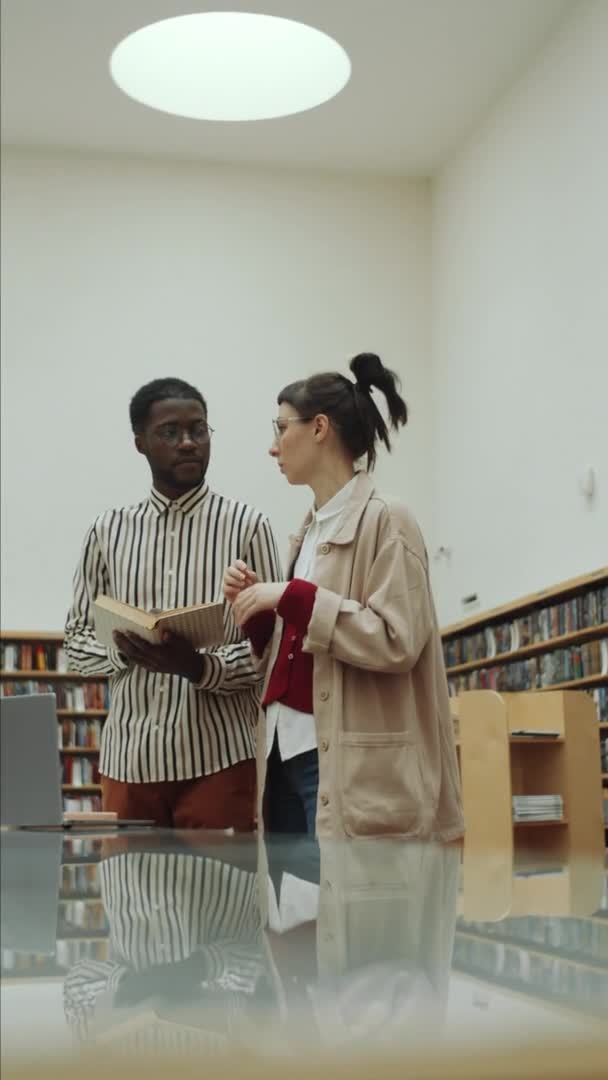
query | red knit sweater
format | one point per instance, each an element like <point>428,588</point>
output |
<point>291,677</point>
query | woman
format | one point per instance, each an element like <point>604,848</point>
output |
<point>356,737</point>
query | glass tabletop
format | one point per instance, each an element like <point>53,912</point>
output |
<point>197,945</point>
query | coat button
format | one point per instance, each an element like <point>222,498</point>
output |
<point>290,656</point>
<point>324,695</point>
<point>324,799</point>
<point>325,549</point>
<point>324,744</point>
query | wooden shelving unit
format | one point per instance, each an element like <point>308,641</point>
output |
<point>66,679</point>
<point>475,669</point>
<point>496,765</point>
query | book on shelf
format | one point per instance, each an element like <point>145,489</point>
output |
<point>81,802</point>
<point>81,734</point>
<point>540,625</point>
<point>89,695</point>
<point>538,808</point>
<point>201,624</point>
<point>33,656</point>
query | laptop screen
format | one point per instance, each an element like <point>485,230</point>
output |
<point>30,788</point>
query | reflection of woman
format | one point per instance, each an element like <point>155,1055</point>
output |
<point>355,721</point>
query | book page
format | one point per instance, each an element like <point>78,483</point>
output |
<point>202,626</point>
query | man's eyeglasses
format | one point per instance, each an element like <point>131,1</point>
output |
<point>280,426</point>
<point>172,434</point>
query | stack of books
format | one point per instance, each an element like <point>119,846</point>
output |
<point>538,808</point>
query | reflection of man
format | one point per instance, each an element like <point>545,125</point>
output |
<point>178,744</point>
<point>185,946</point>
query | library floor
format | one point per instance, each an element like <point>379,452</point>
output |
<point>187,954</point>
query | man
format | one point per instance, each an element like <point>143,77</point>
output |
<point>178,745</point>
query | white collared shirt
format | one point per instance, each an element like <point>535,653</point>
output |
<point>296,731</point>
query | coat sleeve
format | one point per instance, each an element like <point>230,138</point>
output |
<point>389,631</point>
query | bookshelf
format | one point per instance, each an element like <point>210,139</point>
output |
<point>34,662</point>
<point>552,640</point>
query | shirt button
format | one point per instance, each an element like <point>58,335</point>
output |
<point>324,744</point>
<point>169,573</point>
<point>324,695</point>
<point>324,799</point>
<point>325,549</point>
<point>290,656</point>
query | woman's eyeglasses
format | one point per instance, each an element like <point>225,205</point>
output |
<point>280,426</point>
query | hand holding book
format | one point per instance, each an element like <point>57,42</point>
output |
<point>174,655</point>
<point>167,641</point>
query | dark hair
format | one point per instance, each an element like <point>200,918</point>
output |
<point>350,406</point>
<point>160,390</point>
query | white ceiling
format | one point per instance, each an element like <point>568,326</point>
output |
<point>425,72</point>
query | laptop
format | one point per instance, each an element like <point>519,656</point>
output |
<point>30,768</point>
<point>30,786</point>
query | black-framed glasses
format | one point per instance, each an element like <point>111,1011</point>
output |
<point>279,426</point>
<point>172,434</point>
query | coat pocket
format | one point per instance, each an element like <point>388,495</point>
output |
<point>382,791</point>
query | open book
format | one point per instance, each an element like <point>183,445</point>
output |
<point>202,625</point>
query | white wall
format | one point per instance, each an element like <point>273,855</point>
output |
<point>520,302</point>
<point>119,271</point>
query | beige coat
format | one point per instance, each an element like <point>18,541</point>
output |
<point>387,759</point>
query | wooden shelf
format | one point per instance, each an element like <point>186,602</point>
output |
<point>80,713</point>
<point>31,635</point>
<point>603,726</point>
<point>581,684</point>
<point>81,860</point>
<point>535,740</point>
<point>540,824</point>
<point>79,749</point>
<point>51,676</point>
<point>589,633</point>
<point>533,600</point>
<point>82,789</point>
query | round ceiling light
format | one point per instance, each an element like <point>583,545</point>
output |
<point>228,65</point>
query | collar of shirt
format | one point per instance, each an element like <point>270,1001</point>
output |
<point>188,503</point>
<point>335,505</point>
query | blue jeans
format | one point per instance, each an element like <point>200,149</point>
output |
<point>291,792</point>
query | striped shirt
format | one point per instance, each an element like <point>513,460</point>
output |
<point>161,554</point>
<point>163,908</point>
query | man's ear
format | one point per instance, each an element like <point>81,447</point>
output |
<point>139,444</point>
